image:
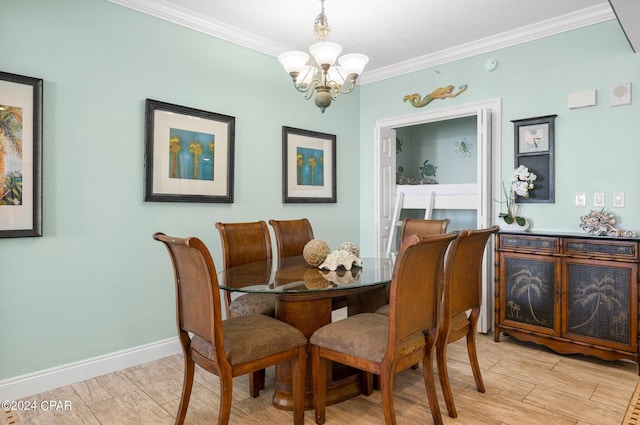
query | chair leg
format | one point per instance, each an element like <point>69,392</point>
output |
<point>187,385</point>
<point>386,390</point>
<point>298,372</point>
<point>366,380</point>
<point>256,382</point>
<point>473,358</point>
<point>319,366</point>
<point>430,385</point>
<point>443,374</point>
<point>226,391</point>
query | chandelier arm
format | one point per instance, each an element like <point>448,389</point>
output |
<point>308,93</point>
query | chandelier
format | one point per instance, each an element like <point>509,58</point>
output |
<point>321,75</point>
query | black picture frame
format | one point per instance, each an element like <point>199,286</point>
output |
<point>534,140</point>
<point>21,151</point>
<point>308,166</point>
<point>199,169</point>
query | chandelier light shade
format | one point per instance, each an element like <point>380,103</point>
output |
<point>324,74</point>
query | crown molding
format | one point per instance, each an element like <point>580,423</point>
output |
<point>197,22</point>
<point>568,22</point>
<point>180,16</point>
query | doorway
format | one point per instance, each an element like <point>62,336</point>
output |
<point>479,199</point>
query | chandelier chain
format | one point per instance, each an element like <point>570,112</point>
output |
<point>321,26</point>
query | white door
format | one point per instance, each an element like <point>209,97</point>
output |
<point>385,180</point>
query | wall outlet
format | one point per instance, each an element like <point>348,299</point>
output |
<point>581,199</point>
<point>598,199</point>
<point>618,199</point>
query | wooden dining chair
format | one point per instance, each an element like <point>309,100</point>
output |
<point>231,347</point>
<point>383,345</point>
<point>462,299</point>
<point>244,243</point>
<point>291,236</point>
<point>423,227</point>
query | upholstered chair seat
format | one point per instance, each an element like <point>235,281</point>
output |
<point>253,304</point>
<point>383,310</point>
<point>365,336</point>
<point>268,336</point>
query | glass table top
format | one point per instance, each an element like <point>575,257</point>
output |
<point>294,275</point>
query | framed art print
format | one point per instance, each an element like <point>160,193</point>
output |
<point>308,166</point>
<point>534,148</point>
<point>189,154</point>
<point>20,156</point>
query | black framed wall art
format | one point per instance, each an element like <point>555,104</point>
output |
<point>535,149</point>
<point>189,154</point>
<point>20,156</point>
<point>308,166</point>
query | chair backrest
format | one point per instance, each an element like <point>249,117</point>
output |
<point>244,243</point>
<point>422,227</point>
<point>291,236</point>
<point>463,271</point>
<point>415,294</point>
<point>197,292</point>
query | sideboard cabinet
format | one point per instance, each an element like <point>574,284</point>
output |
<point>571,293</point>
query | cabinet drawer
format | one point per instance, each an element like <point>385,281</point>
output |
<point>538,244</point>
<point>627,250</point>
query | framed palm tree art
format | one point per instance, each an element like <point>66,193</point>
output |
<point>189,154</point>
<point>20,156</point>
<point>308,166</point>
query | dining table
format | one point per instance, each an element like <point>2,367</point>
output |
<point>306,296</point>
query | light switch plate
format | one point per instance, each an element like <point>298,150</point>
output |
<point>618,199</point>
<point>598,199</point>
<point>581,199</point>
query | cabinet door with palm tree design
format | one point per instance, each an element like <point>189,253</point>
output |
<point>601,302</point>
<point>529,292</point>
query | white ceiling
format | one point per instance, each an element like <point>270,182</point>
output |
<point>399,36</point>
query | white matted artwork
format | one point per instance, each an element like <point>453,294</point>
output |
<point>189,154</point>
<point>308,166</point>
<point>21,152</point>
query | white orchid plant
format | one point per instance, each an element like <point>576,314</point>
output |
<point>520,184</point>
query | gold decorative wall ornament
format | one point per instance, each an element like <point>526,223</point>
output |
<point>439,93</point>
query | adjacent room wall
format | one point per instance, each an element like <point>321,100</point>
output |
<point>596,147</point>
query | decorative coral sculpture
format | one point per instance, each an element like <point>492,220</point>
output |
<point>601,223</point>
<point>340,258</point>
<point>343,277</point>
<point>315,252</point>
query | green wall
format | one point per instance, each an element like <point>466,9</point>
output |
<point>96,282</point>
<point>597,148</point>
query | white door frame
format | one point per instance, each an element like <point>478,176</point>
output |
<point>491,108</point>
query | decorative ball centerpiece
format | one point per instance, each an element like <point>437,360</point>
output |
<point>315,279</point>
<point>315,252</point>
<point>350,247</point>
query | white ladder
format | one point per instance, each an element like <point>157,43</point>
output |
<point>423,201</point>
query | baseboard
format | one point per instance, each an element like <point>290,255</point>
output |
<point>48,379</point>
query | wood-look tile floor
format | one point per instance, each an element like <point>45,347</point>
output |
<point>525,385</point>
